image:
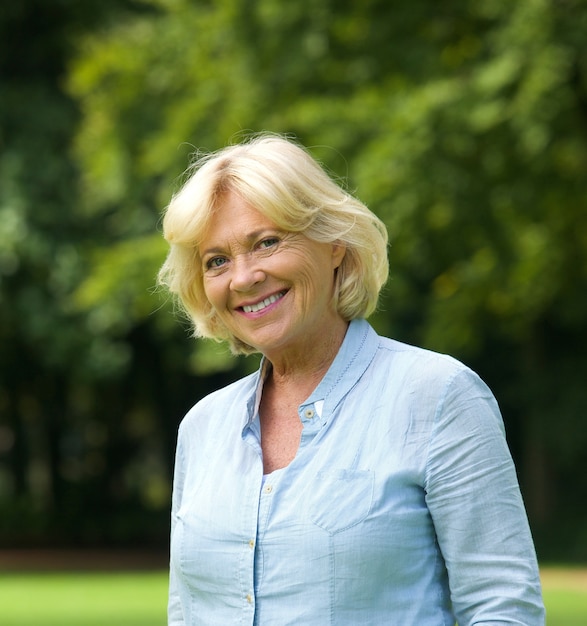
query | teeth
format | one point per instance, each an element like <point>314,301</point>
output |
<point>253,308</point>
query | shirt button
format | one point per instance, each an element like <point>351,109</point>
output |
<point>249,598</point>
<point>309,413</point>
<point>268,489</point>
<point>252,544</point>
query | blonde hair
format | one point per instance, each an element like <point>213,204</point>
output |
<point>282,181</point>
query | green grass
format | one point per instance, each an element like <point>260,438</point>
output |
<point>140,598</point>
<point>83,599</point>
<point>566,608</point>
<point>565,595</point>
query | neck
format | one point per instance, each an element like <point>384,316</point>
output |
<point>305,367</point>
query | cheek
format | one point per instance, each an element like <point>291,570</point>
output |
<point>213,291</point>
<point>301,265</point>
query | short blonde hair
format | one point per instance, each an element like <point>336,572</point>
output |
<point>282,181</point>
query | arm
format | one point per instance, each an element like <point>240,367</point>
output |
<point>475,502</point>
<point>174,610</point>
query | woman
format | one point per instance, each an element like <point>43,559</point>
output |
<point>353,479</point>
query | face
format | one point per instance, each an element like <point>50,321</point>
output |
<point>272,289</point>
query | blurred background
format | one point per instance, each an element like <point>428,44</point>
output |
<point>462,124</point>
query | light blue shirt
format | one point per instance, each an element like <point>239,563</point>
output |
<point>401,506</point>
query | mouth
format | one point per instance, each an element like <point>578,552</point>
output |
<point>263,304</point>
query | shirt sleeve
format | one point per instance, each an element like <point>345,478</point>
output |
<point>174,610</point>
<point>474,499</point>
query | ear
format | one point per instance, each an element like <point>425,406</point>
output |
<point>338,252</point>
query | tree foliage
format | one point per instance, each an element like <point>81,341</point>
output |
<point>462,124</point>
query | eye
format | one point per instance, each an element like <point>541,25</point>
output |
<point>215,263</point>
<point>268,242</point>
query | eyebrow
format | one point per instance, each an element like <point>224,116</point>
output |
<point>250,237</point>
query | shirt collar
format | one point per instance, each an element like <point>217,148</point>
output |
<point>354,356</point>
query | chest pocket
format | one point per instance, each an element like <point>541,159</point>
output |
<point>339,499</point>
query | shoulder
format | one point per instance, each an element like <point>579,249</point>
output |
<point>402,357</point>
<point>427,374</point>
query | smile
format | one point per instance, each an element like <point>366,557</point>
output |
<point>259,306</point>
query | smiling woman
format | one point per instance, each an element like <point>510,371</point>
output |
<point>353,479</point>
<point>271,289</point>
<point>290,190</point>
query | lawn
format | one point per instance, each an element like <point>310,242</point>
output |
<point>565,595</point>
<point>83,599</point>
<point>139,598</point>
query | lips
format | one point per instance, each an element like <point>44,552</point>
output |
<point>263,304</point>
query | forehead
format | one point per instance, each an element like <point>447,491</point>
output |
<point>234,218</point>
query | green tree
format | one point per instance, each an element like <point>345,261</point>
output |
<point>81,433</point>
<point>462,124</point>
<point>491,168</point>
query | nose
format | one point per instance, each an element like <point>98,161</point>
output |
<point>246,272</point>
